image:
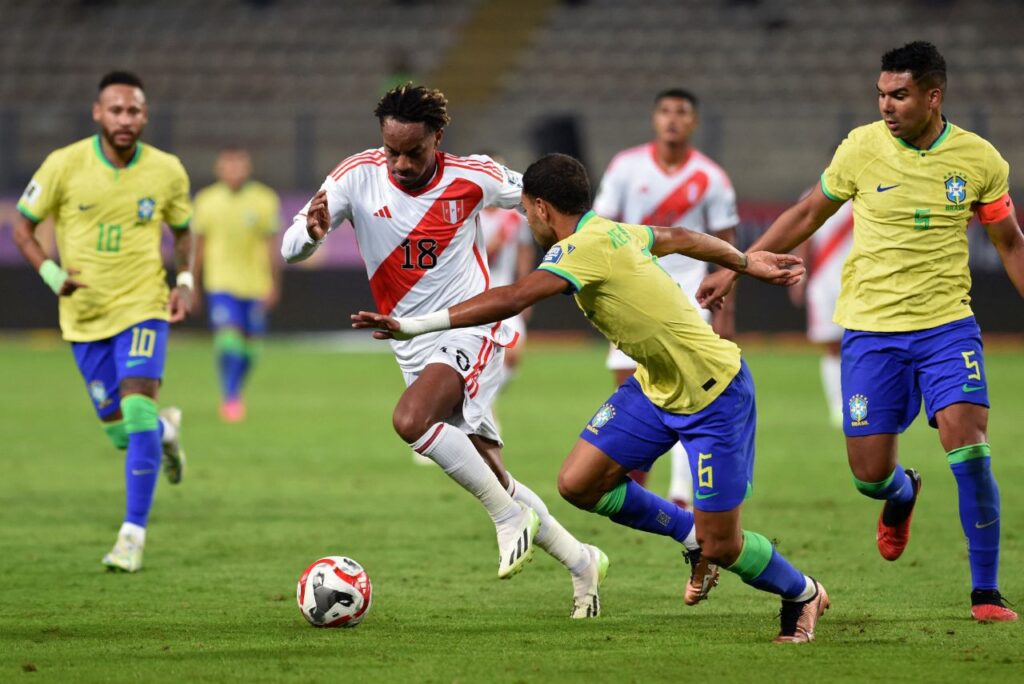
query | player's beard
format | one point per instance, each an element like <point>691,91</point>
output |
<point>121,148</point>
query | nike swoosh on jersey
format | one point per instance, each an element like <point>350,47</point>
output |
<point>882,188</point>
<point>972,388</point>
<point>85,207</point>
<point>982,526</point>
<point>135,362</point>
<point>705,496</point>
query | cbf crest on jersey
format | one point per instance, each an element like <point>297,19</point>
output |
<point>147,205</point>
<point>453,211</point>
<point>956,188</point>
<point>601,418</point>
<point>858,410</point>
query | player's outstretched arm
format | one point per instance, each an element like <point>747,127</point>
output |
<point>793,226</point>
<point>1009,241</point>
<point>60,281</point>
<point>487,307</point>
<point>778,269</point>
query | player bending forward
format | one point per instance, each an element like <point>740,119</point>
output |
<point>691,385</point>
<point>414,210</point>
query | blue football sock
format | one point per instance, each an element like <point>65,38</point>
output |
<point>897,487</point>
<point>631,505</point>
<point>761,566</point>
<point>979,511</point>
<point>142,462</point>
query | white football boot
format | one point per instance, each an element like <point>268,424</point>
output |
<point>515,542</point>
<point>173,454</point>
<point>126,554</point>
<point>586,599</point>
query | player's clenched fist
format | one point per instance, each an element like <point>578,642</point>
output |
<point>318,218</point>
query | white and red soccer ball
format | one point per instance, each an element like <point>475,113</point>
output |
<point>334,591</point>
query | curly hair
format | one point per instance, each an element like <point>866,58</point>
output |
<point>921,59</point>
<point>414,104</point>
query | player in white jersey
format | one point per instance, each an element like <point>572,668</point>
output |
<point>415,213</point>
<point>824,254</point>
<point>668,182</point>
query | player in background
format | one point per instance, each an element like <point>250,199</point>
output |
<point>109,195</point>
<point>915,180</point>
<point>415,213</point>
<point>691,385</point>
<point>235,223</point>
<point>824,255</point>
<point>668,182</point>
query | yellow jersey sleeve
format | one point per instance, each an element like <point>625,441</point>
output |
<point>839,181</point>
<point>998,178</point>
<point>581,259</point>
<point>179,206</point>
<point>43,195</point>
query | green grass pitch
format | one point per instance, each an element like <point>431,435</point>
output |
<point>316,470</point>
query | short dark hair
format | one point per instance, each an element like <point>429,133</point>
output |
<point>120,78</point>
<point>560,180</point>
<point>678,94</point>
<point>921,59</point>
<point>414,104</point>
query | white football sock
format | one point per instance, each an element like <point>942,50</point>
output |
<point>451,449</point>
<point>552,536</point>
<point>831,382</point>
<point>136,532</point>
<point>681,486</point>
<point>169,433</point>
<point>808,593</point>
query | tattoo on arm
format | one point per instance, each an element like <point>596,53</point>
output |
<point>183,250</point>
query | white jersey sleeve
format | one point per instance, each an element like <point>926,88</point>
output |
<point>721,204</point>
<point>297,245</point>
<point>506,193</point>
<point>610,193</point>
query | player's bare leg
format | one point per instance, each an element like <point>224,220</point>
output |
<point>876,474</point>
<point>963,431</point>
<point>587,564</point>
<point>592,480</point>
<point>419,419</point>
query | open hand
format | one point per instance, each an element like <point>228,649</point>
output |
<point>778,269</point>
<point>385,327</point>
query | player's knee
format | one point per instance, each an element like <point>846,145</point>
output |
<point>720,549</point>
<point>575,492</point>
<point>409,425</point>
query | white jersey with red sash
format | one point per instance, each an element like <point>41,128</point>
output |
<point>829,246</point>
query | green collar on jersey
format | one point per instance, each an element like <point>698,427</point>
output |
<point>584,220</point>
<point>946,128</point>
<point>103,158</point>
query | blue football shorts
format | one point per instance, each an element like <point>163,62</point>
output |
<point>138,352</point>
<point>885,375</point>
<point>719,439</point>
<point>248,315</point>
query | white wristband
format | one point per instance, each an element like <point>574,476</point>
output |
<point>184,279</point>
<point>417,325</point>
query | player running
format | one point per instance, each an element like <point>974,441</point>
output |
<point>236,221</point>
<point>915,180</point>
<point>415,214</point>
<point>824,254</point>
<point>668,182</point>
<point>690,385</point>
<point>109,195</point>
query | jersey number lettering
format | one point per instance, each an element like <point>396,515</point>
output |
<point>922,219</point>
<point>705,477</point>
<point>109,239</point>
<point>421,254</point>
<point>143,341</point>
<point>971,365</point>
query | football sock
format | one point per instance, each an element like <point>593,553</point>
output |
<point>979,511</point>
<point>168,433</point>
<point>451,449</point>
<point>631,505</point>
<point>134,531</point>
<point>897,487</point>
<point>761,566</point>
<point>232,361</point>
<point>552,536</point>
<point>681,486</point>
<point>831,384</point>
<point>116,432</point>
<point>142,462</point>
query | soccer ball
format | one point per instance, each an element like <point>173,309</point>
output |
<point>334,591</point>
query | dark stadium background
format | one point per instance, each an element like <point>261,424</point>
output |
<point>296,82</point>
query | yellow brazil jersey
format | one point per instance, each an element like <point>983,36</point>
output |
<point>620,287</point>
<point>108,223</point>
<point>908,266</point>
<point>236,227</point>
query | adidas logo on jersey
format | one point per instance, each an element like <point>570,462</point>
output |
<point>383,212</point>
